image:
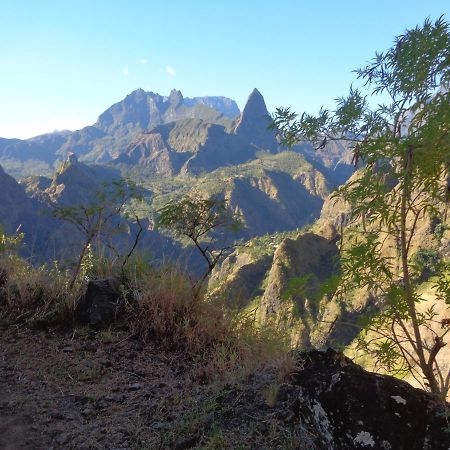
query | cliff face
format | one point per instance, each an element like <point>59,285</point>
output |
<point>118,126</point>
<point>19,211</point>
<point>311,260</point>
<point>286,277</point>
<point>284,281</point>
<point>201,143</point>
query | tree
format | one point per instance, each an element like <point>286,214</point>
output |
<point>100,219</point>
<point>9,243</point>
<point>398,124</point>
<point>203,221</point>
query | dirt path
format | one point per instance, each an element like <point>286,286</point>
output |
<point>80,392</point>
<point>107,391</point>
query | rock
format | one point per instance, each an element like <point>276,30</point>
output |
<point>117,398</point>
<point>62,438</point>
<point>347,407</point>
<point>185,443</point>
<point>253,122</point>
<point>99,307</point>
<point>72,158</point>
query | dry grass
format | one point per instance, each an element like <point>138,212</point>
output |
<point>36,295</point>
<point>162,306</point>
<point>159,306</point>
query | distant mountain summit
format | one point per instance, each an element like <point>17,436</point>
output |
<point>194,145</point>
<point>141,110</point>
<point>118,126</point>
<point>253,122</point>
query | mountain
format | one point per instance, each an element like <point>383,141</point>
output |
<point>196,145</point>
<point>18,211</point>
<point>168,135</point>
<point>281,278</point>
<point>118,125</point>
<point>252,123</point>
<point>172,146</point>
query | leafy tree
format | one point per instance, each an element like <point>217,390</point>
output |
<point>203,221</point>
<point>100,220</point>
<point>10,243</point>
<point>398,124</point>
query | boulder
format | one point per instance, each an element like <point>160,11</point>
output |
<point>100,305</point>
<point>346,407</point>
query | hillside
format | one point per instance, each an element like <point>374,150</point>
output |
<point>115,128</point>
<point>172,146</point>
<point>283,279</point>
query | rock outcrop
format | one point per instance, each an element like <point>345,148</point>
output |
<point>100,306</point>
<point>346,407</point>
<point>252,124</point>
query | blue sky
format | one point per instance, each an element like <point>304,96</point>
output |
<point>64,62</point>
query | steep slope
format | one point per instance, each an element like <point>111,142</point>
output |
<point>252,124</point>
<point>192,146</point>
<point>140,111</point>
<point>18,211</point>
<point>280,278</point>
<point>275,192</point>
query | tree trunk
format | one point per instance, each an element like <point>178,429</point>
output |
<point>406,195</point>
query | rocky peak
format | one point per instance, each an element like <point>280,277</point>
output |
<point>255,106</point>
<point>254,121</point>
<point>136,95</point>
<point>175,98</point>
<point>72,158</point>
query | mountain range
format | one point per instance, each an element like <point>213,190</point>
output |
<point>171,146</point>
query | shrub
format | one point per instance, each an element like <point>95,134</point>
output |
<point>36,295</point>
<point>426,262</point>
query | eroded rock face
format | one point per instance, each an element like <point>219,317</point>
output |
<point>346,407</point>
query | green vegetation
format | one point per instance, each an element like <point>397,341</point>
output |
<point>220,181</point>
<point>21,169</point>
<point>204,221</point>
<point>403,144</point>
<point>266,245</point>
<point>426,262</point>
<point>10,243</point>
<point>99,221</point>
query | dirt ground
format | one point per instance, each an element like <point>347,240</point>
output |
<point>109,391</point>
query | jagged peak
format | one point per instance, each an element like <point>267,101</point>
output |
<point>255,104</point>
<point>254,112</point>
<point>253,122</point>
<point>72,158</point>
<point>175,97</point>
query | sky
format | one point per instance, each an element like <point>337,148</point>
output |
<point>62,63</point>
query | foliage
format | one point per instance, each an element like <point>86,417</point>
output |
<point>205,222</point>
<point>10,243</point>
<point>37,296</point>
<point>399,126</point>
<point>426,262</point>
<point>100,220</point>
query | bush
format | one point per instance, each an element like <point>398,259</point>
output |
<point>36,295</point>
<point>426,262</point>
<point>159,306</point>
<point>162,307</point>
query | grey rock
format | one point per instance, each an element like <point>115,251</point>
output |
<point>346,407</point>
